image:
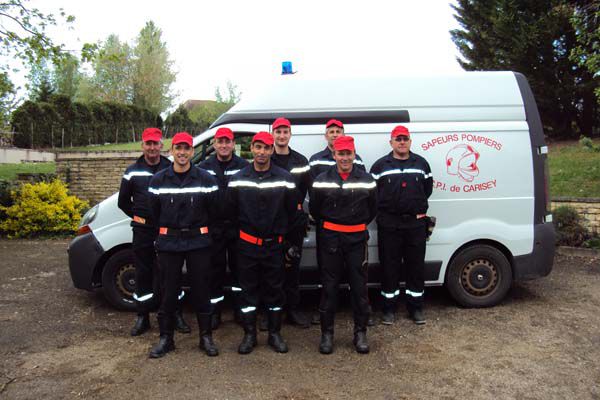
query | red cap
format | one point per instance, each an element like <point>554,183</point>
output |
<point>182,137</point>
<point>264,137</point>
<point>151,135</point>
<point>281,122</point>
<point>400,131</point>
<point>224,132</point>
<point>334,122</point>
<point>344,143</point>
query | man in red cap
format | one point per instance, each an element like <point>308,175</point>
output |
<point>297,165</point>
<point>343,202</point>
<point>223,165</point>
<point>322,161</point>
<point>404,183</point>
<point>182,198</point>
<point>264,200</point>
<point>133,200</point>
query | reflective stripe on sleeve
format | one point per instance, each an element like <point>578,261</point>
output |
<point>236,289</point>
<point>232,172</point>
<point>263,185</point>
<point>136,173</point>
<point>402,171</point>
<point>274,308</point>
<point>299,170</point>
<point>210,171</point>
<point>414,294</point>
<point>143,298</point>
<point>181,295</point>
<point>217,300</point>
<point>197,189</point>
<point>321,162</point>
<point>248,309</point>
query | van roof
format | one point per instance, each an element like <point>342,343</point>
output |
<point>467,96</point>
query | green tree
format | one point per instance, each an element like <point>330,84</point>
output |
<point>178,121</point>
<point>536,39</point>
<point>7,99</point>
<point>112,72</point>
<point>153,75</point>
<point>39,84</point>
<point>66,76</point>
<point>586,21</point>
<point>23,36</point>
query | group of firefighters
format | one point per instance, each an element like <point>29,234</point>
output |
<point>248,216</point>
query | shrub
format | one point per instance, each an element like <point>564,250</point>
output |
<point>588,144</point>
<point>569,228</point>
<point>42,208</point>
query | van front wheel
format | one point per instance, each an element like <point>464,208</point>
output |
<point>118,280</point>
<point>479,276</point>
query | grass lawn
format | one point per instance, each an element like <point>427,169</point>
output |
<point>574,170</point>
<point>9,171</point>
<point>136,146</point>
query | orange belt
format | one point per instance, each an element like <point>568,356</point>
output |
<point>258,241</point>
<point>163,230</point>
<point>344,228</point>
<point>139,220</point>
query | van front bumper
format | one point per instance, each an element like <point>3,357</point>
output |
<point>84,254</point>
<point>539,262</point>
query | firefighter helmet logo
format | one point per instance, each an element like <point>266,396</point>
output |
<point>461,160</point>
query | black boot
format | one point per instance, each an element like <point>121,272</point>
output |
<point>326,345</point>
<point>180,325</point>
<point>416,314</point>
<point>360,334</point>
<point>275,339</point>
<point>249,340</point>
<point>360,342</point>
<point>298,319</point>
<point>206,340</point>
<point>215,318</point>
<point>165,342</point>
<point>142,324</point>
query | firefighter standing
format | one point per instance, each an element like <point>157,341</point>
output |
<point>181,199</point>
<point>343,201</point>
<point>263,198</point>
<point>324,160</point>
<point>296,164</point>
<point>404,183</point>
<point>133,200</point>
<point>223,165</point>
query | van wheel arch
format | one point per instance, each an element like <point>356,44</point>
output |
<point>479,274</point>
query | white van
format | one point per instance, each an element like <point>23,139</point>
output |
<point>480,132</point>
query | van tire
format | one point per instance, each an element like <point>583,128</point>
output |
<point>118,280</point>
<point>479,276</point>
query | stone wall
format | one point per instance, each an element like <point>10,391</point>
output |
<point>93,176</point>
<point>588,208</point>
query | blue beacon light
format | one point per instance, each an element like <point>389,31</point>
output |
<point>286,68</point>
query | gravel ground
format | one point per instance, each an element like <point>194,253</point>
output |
<point>542,342</point>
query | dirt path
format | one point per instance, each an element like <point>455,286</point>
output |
<point>542,342</point>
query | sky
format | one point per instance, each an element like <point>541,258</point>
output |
<point>245,42</point>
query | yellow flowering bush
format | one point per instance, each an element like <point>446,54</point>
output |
<point>42,208</point>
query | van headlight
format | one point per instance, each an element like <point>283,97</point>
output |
<point>89,216</point>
